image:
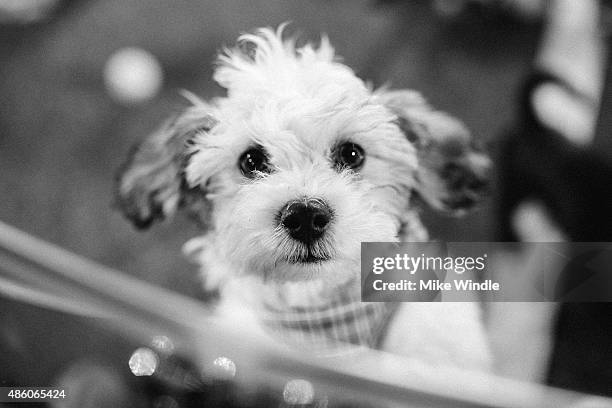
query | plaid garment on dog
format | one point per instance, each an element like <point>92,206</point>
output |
<point>340,321</point>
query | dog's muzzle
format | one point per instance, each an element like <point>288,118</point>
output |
<point>305,220</point>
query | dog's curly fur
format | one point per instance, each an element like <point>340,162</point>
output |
<point>298,104</point>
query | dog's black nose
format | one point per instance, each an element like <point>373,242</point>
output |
<point>305,220</point>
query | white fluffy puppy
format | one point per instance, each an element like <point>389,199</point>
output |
<point>298,165</point>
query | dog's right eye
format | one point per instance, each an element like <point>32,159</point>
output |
<point>253,161</point>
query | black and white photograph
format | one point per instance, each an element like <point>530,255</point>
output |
<point>306,203</point>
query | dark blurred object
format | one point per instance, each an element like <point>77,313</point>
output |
<point>573,183</point>
<point>583,354</point>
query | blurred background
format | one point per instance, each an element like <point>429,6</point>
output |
<point>83,80</point>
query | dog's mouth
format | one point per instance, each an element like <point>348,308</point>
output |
<point>308,258</point>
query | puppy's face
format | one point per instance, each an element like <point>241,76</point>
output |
<point>298,165</point>
<point>296,183</point>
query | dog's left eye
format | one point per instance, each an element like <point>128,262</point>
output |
<point>349,155</point>
<point>252,161</point>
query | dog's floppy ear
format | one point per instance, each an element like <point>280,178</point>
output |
<point>453,171</point>
<point>150,186</point>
